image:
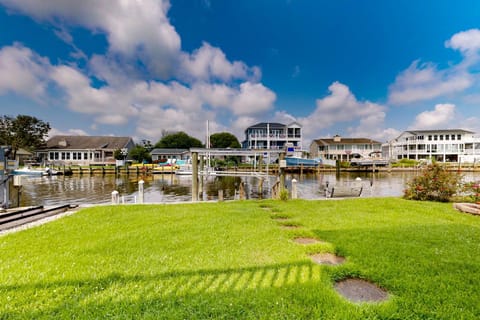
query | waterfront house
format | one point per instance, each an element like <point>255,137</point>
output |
<point>83,150</point>
<point>271,135</point>
<point>344,149</point>
<point>163,154</point>
<point>447,145</point>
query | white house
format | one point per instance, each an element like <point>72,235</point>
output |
<point>448,145</point>
<point>344,149</point>
<point>271,135</point>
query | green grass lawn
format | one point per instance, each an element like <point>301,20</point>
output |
<point>233,261</point>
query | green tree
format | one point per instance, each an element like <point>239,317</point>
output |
<point>179,140</point>
<point>23,132</point>
<point>224,140</point>
<point>140,154</point>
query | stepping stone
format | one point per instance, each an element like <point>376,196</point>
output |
<point>359,290</point>
<point>290,227</point>
<point>327,258</point>
<point>302,240</point>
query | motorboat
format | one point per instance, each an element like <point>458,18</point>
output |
<point>28,171</point>
<point>297,161</point>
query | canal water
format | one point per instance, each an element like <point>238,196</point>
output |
<point>57,190</point>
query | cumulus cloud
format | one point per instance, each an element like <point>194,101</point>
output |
<point>23,72</point>
<point>253,98</point>
<point>340,106</point>
<point>424,82</point>
<point>134,29</point>
<point>69,132</point>
<point>210,63</point>
<point>441,117</point>
<point>468,42</point>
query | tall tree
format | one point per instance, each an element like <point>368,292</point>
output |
<point>224,140</point>
<point>179,140</point>
<point>140,154</point>
<point>23,132</point>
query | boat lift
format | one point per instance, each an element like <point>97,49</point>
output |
<point>201,153</point>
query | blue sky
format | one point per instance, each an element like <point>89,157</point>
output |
<point>142,68</point>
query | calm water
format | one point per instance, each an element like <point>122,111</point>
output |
<point>171,188</point>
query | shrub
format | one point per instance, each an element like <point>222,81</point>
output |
<point>472,191</point>
<point>435,183</point>
<point>284,195</point>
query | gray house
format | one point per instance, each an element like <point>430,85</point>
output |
<point>83,150</point>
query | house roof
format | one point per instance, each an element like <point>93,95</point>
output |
<point>87,142</point>
<point>331,141</point>
<point>263,125</point>
<point>416,132</point>
<point>168,151</point>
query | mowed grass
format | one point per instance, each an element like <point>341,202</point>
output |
<point>236,260</point>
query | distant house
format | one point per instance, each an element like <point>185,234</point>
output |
<point>163,154</point>
<point>344,149</point>
<point>271,135</point>
<point>83,150</point>
<point>446,145</point>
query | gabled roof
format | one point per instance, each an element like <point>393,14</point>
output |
<point>331,141</point>
<point>88,142</point>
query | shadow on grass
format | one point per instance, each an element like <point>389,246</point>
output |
<point>177,294</point>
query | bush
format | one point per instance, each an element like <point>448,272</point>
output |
<point>284,195</point>
<point>472,191</point>
<point>405,163</point>
<point>435,183</point>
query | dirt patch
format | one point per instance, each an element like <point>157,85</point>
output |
<point>359,290</point>
<point>327,258</point>
<point>290,227</point>
<point>303,240</point>
<point>280,218</point>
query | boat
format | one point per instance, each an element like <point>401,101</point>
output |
<point>28,171</point>
<point>297,161</point>
<point>167,168</point>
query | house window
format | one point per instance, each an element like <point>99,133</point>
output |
<point>459,137</point>
<point>441,137</point>
<point>85,156</point>
<point>68,155</point>
<point>447,137</point>
<point>435,137</point>
<point>453,137</point>
<point>429,138</point>
<point>74,156</point>
<point>63,155</point>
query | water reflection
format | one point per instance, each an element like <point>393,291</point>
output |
<point>173,188</point>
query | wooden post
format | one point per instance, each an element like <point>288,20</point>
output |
<point>294,189</point>
<point>242,191</point>
<point>202,169</point>
<point>260,188</point>
<point>282,172</point>
<point>194,176</point>
<point>220,195</point>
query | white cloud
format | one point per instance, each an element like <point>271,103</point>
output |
<point>134,29</point>
<point>441,117</point>
<point>23,72</point>
<point>69,132</point>
<point>342,106</point>
<point>253,98</point>
<point>210,63</point>
<point>425,82</point>
<point>468,42</point>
